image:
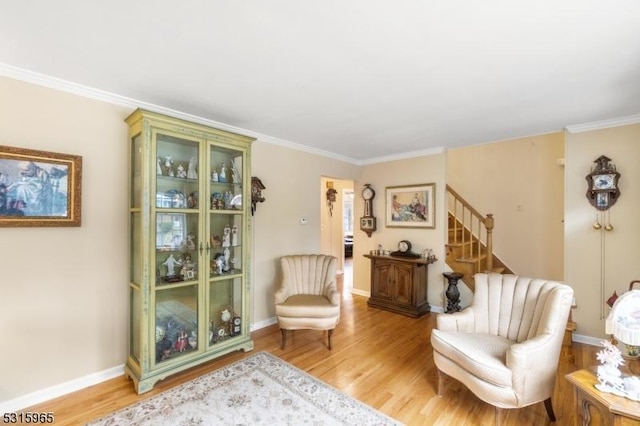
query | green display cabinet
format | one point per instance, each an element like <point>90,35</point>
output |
<point>189,245</point>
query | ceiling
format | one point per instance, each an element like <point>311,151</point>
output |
<point>360,79</point>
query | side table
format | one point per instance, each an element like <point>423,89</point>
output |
<point>599,408</point>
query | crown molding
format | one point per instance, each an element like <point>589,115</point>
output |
<point>402,156</point>
<point>604,124</point>
<point>123,101</point>
<point>288,144</point>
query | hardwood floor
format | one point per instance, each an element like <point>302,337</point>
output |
<point>380,358</point>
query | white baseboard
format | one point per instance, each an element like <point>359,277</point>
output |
<point>593,341</point>
<point>437,309</point>
<point>262,324</point>
<point>56,391</point>
<point>360,292</point>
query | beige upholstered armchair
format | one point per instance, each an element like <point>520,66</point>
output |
<point>505,346</point>
<point>308,297</point>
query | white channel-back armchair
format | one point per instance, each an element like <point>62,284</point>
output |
<point>307,297</point>
<point>506,345</point>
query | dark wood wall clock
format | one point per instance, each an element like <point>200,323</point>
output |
<point>368,221</point>
<point>602,190</point>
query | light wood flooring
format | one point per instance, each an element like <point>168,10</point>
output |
<point>380,358</point>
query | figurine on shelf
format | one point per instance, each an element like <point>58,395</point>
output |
<point>223,174</point>
<point>226,236</point>
<point>159,167</point>
<point>214,176</point>
<point>163,349</point>
<point>191,171</point>
<point>188,268</point>
<point>181,172</point>
<point>193,340</point>
<point>182,342</point>
<point>235,174</point>
<point>168,166</point>
<point>234,236</point>
<point>216,198</point>
<point>216,241</point>
<point>192,200</point>
<point>191,241</point>
<point>171,264</point>
<point>227,197</point>
<point>219,259</point>
<point>227,255</point>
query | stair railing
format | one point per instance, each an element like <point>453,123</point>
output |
<point>469,224</point>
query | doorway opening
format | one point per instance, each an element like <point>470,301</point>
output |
<point>347,231</point>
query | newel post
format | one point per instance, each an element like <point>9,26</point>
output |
<point>489,223</point>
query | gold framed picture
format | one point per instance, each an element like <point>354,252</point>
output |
<point>39,188</point>
<point>411,206</point>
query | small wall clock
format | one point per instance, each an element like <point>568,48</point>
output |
<point>368,221</point>
<point>602,190</point>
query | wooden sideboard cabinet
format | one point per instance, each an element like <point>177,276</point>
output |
<point>400,284</point>
<point>593,407</point>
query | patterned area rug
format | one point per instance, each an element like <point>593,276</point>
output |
<point>258,390</point>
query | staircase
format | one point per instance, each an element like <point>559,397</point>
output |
<point>469,249</point>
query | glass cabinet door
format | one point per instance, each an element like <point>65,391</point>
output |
<point>176,243</point>
<point>176,324</point>
<point>226,239</point>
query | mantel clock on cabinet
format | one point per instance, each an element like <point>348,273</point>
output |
<point>368,221</point>
<point>190,193</point>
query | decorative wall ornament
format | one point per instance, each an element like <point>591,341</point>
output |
<point>256,193</point>
<point>602,190</point>
<point>331,197</point>
<point>602,193</point>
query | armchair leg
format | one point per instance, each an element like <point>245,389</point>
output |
<point>549,407</point>
<point>284,338</point>
<point>441,377</point>
<point>499,416</point>
<point>330,334</point>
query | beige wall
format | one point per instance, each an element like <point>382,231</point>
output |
<point>293,190</point>
<point>419,170</point>
<point>64,290</point>
<point>592,253</point>
<point>522,184</point>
